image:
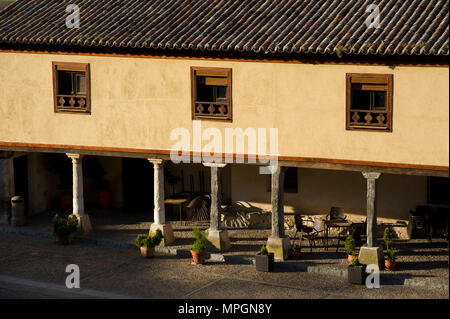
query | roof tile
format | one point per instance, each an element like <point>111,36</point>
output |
<point>407,27</point>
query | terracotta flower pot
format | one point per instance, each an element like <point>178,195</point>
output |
<point>198,258</point>
<point>104,199</point>
<point>295,254</point>
<point>147,252</point>
<point>350,257</point>
<point>63,240</point>
<point>390,265</point>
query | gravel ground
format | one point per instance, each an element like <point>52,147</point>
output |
<point>36,268</point>
<point>415,258</point>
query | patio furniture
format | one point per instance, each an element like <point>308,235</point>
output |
<point>420,222</point>
<point>336,224</point>
<point>358,230</point>
<point>438,223</point>
<point>309,232</point>
<point>419,227</point>
<point>336,213</point>
<point>199,208</point>
<point>177,202</point>
<point>336,219</point>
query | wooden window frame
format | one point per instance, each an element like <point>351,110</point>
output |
<point>71,66</point>
<point>213,117</point>
<point>389,79</point>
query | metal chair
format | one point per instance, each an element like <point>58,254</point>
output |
<point>336,213</point>
<point>307,232</point>
<point>199,208</point>
<point>419,227</point>
<point>438,223</point>
<point>357,230</point>
<point>420,220</point>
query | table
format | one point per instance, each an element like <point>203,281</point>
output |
<point>334,224</point>
<point>177,201</point>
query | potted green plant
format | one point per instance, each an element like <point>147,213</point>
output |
<point>350,247</point>
<point>295,252</point>
<point>356,272</point>
<point>389,262</point>
<point>147,243</point>
<point>198,249</point>
<point>388,237</point>
<point>64,227</point>
<point>264,260</point>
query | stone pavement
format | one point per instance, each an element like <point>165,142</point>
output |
<point>420,263</point>
<point>32,267</point>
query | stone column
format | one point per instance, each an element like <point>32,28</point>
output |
<point>217,237</point>
<point>371,253</point>
<point>371,208</point>
<point>159,213</point>
<point>77,193</point>
<point>277,242</point>
<point>6,186</point>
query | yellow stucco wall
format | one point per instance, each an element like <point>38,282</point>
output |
<point>319,190</point>
<point>136,102</point>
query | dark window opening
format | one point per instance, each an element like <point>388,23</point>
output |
<point>71,83</point>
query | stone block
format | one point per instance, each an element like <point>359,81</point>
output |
<point>219,239</point>
<point>85,224</point>
<point>279,247</point>
<point>167,231</point>
<point>371,256</point>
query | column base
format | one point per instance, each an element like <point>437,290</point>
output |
<point>4,218</point>
<point>371,256</point>
<point>167,232</point>
<point>279,247</point>
<point>84,222</point>
<point>219,239</point>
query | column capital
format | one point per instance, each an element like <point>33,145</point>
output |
<point>75,157</point>
<point>219,165</point>
<point>156,162</point>
<point>371,175</point>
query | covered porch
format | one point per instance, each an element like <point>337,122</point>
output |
<point>231,188</point>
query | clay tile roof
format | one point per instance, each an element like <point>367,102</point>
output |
<point>407,27</point>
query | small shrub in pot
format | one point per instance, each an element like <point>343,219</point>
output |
<point>350,246</point>
<point>264,260</point>
<point>198,249</point>
<point>64,227</point>
<point>356,272</point>
<point>295,252</point>
<point>390,260</point>
<point>147,243</point>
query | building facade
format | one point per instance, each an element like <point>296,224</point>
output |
<point>343,97</point>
